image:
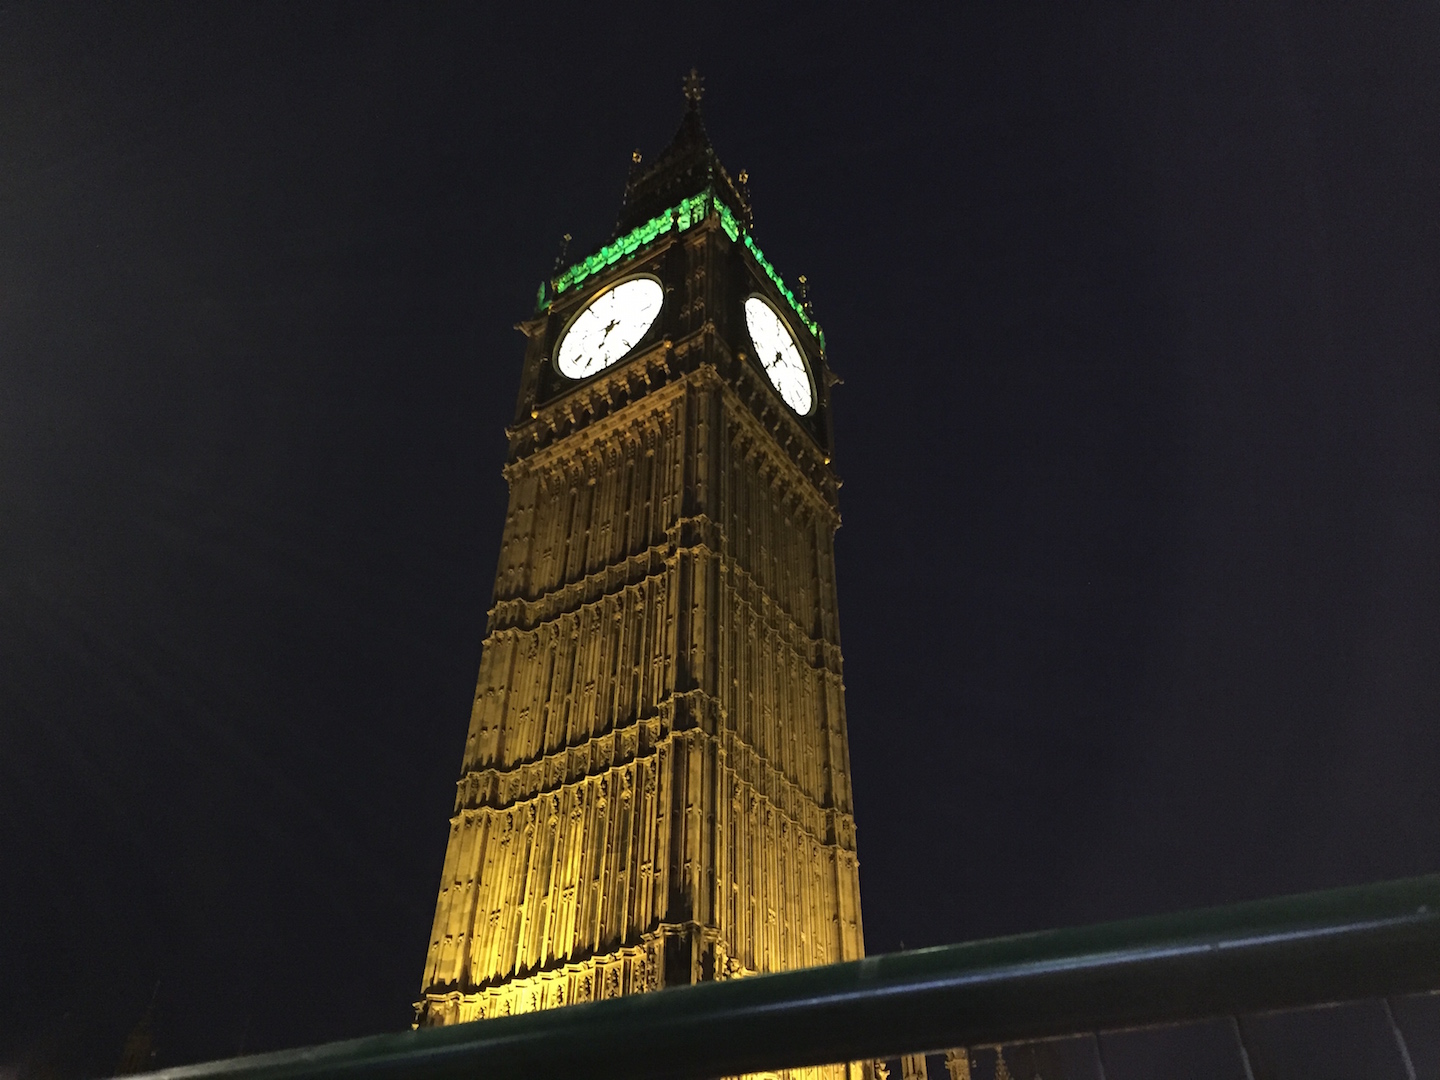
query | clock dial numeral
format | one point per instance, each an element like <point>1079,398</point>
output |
<point>779,354</point>
<point>609,327</point>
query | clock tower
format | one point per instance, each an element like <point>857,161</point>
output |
<point>656,782</point>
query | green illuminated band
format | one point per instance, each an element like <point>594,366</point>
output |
<point>689,213</point>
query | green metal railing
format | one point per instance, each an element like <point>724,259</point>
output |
<point>1315,948</point>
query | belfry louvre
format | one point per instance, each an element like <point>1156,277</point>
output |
<point>656,785</point>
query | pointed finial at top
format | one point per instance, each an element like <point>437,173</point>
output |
<point>560,256</point>
<point>694,87</point>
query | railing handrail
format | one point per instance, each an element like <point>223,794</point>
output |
<point>1289,952</point>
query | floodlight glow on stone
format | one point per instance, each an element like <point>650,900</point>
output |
<point>609,328</point>
<point>779,355</point>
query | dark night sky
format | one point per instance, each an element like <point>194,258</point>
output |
<point>1138,310</point>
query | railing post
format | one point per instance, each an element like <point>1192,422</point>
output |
<point>1240,1045</point>
<point>1399,1039</point>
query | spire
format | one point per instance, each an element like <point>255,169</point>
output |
<point>694,87</point>
<point>686,167</point>
<point>138,1054</point>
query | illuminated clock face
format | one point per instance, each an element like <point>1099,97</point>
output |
<point>609,327</point>
<point>779,355</point>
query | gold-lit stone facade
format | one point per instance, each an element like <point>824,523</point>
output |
<point>656,784</point>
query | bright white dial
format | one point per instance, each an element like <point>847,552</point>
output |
<point>609,328</point>
<point>779,355</point>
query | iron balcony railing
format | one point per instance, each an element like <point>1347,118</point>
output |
<point>1295,951</point>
